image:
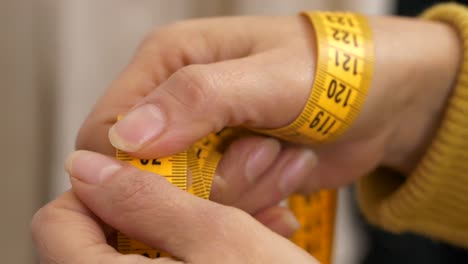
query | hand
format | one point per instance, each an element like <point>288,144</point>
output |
<point>196,77</point>
<point>145,206</point>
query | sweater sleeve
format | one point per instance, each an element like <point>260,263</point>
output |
<point>433,200</point>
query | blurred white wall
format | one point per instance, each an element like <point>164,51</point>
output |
<point>57,59</point>
<point>20,133</point>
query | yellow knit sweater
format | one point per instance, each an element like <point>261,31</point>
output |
<point>433,200</point>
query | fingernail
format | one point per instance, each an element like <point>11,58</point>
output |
<point>291,221</point>
<point>137,128</point>
<point>298,168</point>
<point>91,167</point>
<point>218,187</point>
<point>260,159</point>
<point>287,224</point>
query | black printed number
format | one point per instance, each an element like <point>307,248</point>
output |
<point>339,92</point>
<point>344,36</point>
<point>158,255</point>
<point>340,20</point>
<point>322,122</point>
<point>153,162</point>
<point>346,61</point>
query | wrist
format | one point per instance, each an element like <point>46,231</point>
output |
<point>426,60</point>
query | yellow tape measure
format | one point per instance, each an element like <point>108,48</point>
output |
<point>342,79</point>
<point>191,170</point>
<point>343,75</point>
<point>175,170</point>
<point>316,214</point>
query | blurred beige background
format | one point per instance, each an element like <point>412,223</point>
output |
<point>57,57</point>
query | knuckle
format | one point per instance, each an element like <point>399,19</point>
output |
<point>38,221</point>
<point>43,217</point>
<point>193,86</point>
<point>134,190</point>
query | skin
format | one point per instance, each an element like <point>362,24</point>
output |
<point>151,210</point>
<point>195,77</point>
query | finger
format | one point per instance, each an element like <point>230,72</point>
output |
<point>162,53</point>
<point>279,219</point>
<point>291,169</point>
<point>65,231</point>
<point>200,99</point>
<point>356,156</point>
<point>242,164</point>
<point>147,207</point>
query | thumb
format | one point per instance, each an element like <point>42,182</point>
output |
<point>143,205</point>
<point>200,99</point>
<point>150,209</point>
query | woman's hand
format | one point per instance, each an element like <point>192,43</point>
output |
<point>196,77</point>
<point>147,207</point>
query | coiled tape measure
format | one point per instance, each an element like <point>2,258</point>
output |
<point>342,78</point>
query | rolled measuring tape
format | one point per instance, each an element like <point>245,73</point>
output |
<point>343,75</point>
